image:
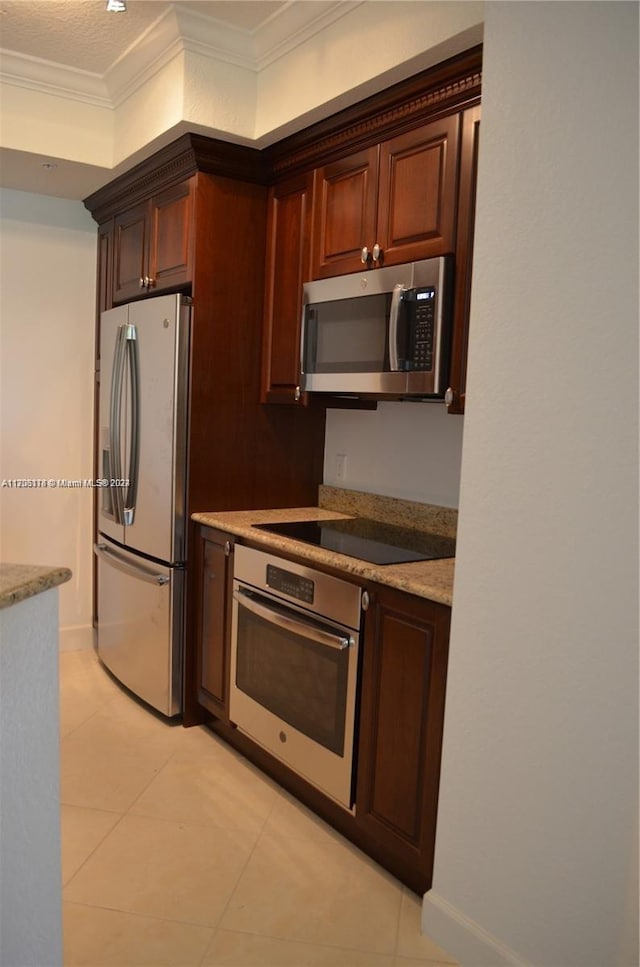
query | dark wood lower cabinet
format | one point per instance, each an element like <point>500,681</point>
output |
<point>404,650</point>
<point>214,575</point>
<point>403,679</point>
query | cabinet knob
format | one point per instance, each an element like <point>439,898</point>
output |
<point>366,601</point>
<point>297,394</point>
<point>449,397</point>
<point>150,282</point>
<point>142,282</point>
<point>377,253</point>
<point>365,255</point>
<point>227,548</point>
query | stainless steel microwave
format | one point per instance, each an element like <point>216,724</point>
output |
<point>384,332</point>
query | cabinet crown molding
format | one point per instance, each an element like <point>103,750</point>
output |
<point>434,93</point>
<point>178,161</point>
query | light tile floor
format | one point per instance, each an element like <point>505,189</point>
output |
<point>177,851</point>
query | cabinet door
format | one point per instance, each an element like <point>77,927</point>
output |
<point>170,241</point>
<point>464,256</point>
<point>287,269</point>
<point>402,708</point>
<point>105,267</point>
<point>130,247</point>
<point>417,194</point>
<point>345,201</point>
<point>214,625</point>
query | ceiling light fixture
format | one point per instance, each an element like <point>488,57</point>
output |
<point>116,6</point>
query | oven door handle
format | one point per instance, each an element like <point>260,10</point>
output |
<point>282,618</point>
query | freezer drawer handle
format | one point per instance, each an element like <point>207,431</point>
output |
<point>142,574</point>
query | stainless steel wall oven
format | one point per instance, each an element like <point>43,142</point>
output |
<point>294,663</point>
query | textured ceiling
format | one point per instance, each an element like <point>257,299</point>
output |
<point>81,34</point>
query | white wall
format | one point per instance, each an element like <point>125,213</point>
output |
<point>407,450</point>
<point>537,830</point>
<point>47,314</point>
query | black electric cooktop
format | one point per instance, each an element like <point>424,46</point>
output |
<point>369,540</point>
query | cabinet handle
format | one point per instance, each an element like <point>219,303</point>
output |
<point>365,255</point>
<point>150,282</point>
<point>366,601</point>
<point>296,395</point>
<point>227,548</point>
<point>142,283</point>
<point>377,253</point>
<point>449,397</point>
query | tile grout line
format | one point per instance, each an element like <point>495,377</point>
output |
<point>88,857</point>
<point>241,874</point>
<point>146,916</point>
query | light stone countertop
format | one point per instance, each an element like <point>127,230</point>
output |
<point>426,579</point>
<point>20,581</point>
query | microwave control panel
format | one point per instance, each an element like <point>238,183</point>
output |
<point>423,311</point>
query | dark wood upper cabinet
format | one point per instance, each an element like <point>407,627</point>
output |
<point>153,245</point>
<point>404,668</point>
<point>345,209</point>
<point>131,246</point>
<point>417,196</point>
<point>392,203</point>
<point>105,267</point>
<point>464,256</point>
<point>171,242</point>
<point>287,269</point>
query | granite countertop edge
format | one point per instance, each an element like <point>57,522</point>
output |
<point>425,579</point>
<point>21,581</point>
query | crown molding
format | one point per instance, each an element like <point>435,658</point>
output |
<point>294,25</point>
<point>47,77</point>
<point>176,31</point>
<point>152,50</point>
<point>215,39</point>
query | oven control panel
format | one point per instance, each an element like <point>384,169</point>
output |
<point>294,585</point>
<point>313,591</point>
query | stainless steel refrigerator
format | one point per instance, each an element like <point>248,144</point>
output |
<point>140,550</point>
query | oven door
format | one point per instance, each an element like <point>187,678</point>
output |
<point>293,687</point>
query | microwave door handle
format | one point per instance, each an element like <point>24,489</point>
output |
<point>396,299</point>
<point>283,619</point>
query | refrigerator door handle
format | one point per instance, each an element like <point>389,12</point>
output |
<point>115,416</point>
<point>136,571</point>
<point>133,359</point>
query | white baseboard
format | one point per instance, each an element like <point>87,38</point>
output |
<point>76,637</point>
<point>464,939</point>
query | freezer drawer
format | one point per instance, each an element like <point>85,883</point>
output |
<point>140,619</point>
